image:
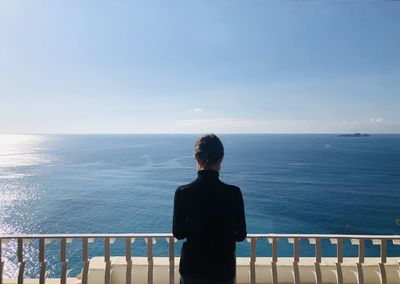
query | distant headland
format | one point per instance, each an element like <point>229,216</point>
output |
<point>355,135</point>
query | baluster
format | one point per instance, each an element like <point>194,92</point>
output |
<point>150,260</point>
<point>382,271</point>
<point>171,241</point>
<point>128,257</point>
<point>253,260</point>
<point>85,261</point>
<point>107,260</point>
<point>361,255</point>
<point>361,251</point>
<point>317,264</point>
<point>339,260</point>
<point>339,249</point>
<point>318,253</point>
<point>42,260</point>
<point>21,261</point>
<point>64,261</point>
<point>296,257</point>
<point>274,269</point>
<point>383,251</point>
<point>360,274</point>
<point>339,254</point>
<point>339,273</point>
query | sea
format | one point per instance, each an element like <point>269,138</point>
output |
<point>291,183</point>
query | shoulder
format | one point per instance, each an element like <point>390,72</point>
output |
<point>232,188</point>
<point>185,187</point>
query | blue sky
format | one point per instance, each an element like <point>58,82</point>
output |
<point>199,66</point>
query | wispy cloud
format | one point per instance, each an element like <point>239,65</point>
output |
<point>377,120</point>
<point>197,110</point>
<point>235,125</point>
<point>372,125</point>
<point>228,124</point>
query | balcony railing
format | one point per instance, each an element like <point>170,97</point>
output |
<point>294,239</point>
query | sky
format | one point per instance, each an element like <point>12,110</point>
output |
<point>199,66</point>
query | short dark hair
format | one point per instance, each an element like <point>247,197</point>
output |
<point>209,149</point>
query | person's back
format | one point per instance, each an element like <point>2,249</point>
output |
<point>210,215</point>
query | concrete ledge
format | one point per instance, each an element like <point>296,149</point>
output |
<point>262,269</point>
<point>262,266</point>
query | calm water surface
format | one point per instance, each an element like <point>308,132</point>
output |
<point>126,183</point>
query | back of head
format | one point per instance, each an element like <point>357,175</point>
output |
<point>209,150</point>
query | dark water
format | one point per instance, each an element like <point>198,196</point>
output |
<point>125,184</point>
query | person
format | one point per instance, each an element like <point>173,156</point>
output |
<point>210,214</point>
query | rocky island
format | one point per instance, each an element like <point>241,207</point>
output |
<point>355,135</point>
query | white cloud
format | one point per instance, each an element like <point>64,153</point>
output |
<point>376,120</point>
<point>198,109</point>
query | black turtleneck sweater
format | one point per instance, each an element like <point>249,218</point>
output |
<point>210,215</point>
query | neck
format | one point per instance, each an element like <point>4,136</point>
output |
<point>209,168</point>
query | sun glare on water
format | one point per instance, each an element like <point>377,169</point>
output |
<point>18,154</point>
<point>20,150</point>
